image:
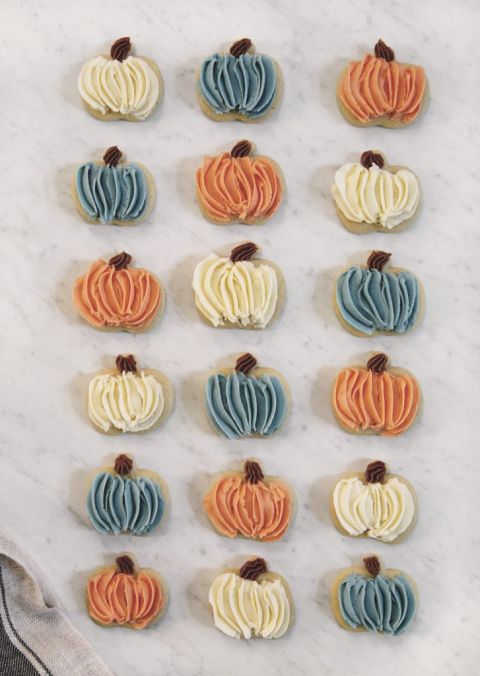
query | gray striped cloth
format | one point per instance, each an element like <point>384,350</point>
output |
<point>36,636</point>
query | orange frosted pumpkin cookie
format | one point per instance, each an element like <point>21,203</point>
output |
<point>239,186</point>
<point>381,91</point>
<point>250,504</point>
<point>113,296</point>
<point>126,596</point>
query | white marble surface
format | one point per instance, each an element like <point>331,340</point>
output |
<point>47,445</point>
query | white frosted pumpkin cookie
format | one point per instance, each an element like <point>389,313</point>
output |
<point>247,401</point>
<point>375,504</point>
<point>113,191</point>
<point>373,598</point>
<point>251,602</point>
<point>238,291</point>
<point>120,86</point>
<point>123,500</point>
<point>129,400</point>
<point>250,504</point>
<point>378,399</point>
<point>371,196</point>
<point>125,595</point>
<point>239,84</point>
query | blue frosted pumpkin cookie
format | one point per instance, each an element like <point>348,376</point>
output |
<point>370,301</point>
<point>247,401</point>
<point>239,84</point>
<point>374,599</point>
<point>124,500</point>
<point>114,191</point>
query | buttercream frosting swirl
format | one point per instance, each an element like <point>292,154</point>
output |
<point>127,401</point>
<point>246,84</point>
<point>383,511</point>
<point>379,604</point>
<point>118,504</point>
<point>129,87</point>
<point>374,88</point>
<point>127,298</point>
<point>374,195</point>
<point>259,510</point>
<point>241,405</point>
<point>125,599</point>
<point>372,300</point>
<point>244,188</point>
<point>247,608</point>
<point>112,193</point>
<point>239,293</point>
<point>384,402</point>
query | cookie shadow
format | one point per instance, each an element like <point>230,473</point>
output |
<point>185,82</point>
<point>197,596</point>
<point>329,75</point>
<point>323,295</point>
<point>198,487</point>
<point>77,495</point>
<point>185,184</point>
<point>321,190</point>
<point>192,388</point>
<point>180,286</point>
<point>321,394</point>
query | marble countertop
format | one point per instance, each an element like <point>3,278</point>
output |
<point>47,445</point>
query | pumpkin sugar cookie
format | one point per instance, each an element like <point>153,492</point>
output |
<point>128,400</point>
<point>377,399</point>
<point>371,196</point>
<point>238,291</point>
<point>381,91</point>
<point>120,86</point>
<point>247,401</point>
<point>239,85</point>
<point>250,504</point>
<point>123,595</point>
<point>251,602</point>
<point>111,296</point>
<point>374,504</point>
<point>373,598</point>
<point>239,187</point>
<point>123,500</point>
<point>369,301</point>
<point>113,192</point>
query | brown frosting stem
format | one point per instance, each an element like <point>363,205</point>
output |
<point>125,565</point>
<point>112,156</point>
<point>123,464</point>
<point>253,568</point>
<point>243,252</point>
<point>378,363</point>
<point>241,149</point>
<point>126,363</point>
<point>120,49</point>
<point>240,47</point>
<point>253,472</point>
<point>369,157</point>
<point>383,51</point>
<point>377,260</point>
<point>375,472</point>
<point>372,564</point>
<point>120,261</point>
<point>245,363</point>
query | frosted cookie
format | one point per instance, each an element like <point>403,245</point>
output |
<point>369,301</point>
<point>120,86</point>
<point>127,501</point>
<point>239,85</point>
<point>239,187</point>
<point>251,602</point>
<point>113,191</point>
<point>372,598</point>
<point>377,399</point>
<point>375,504</point>
<point>247,401</point>
<point>127,400</point>
<point>122,595</point>
<point>111,296</point>
<point>370,196</point>
<point>250,504</point>
<point>381,91</point>
<point>238,291</point>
